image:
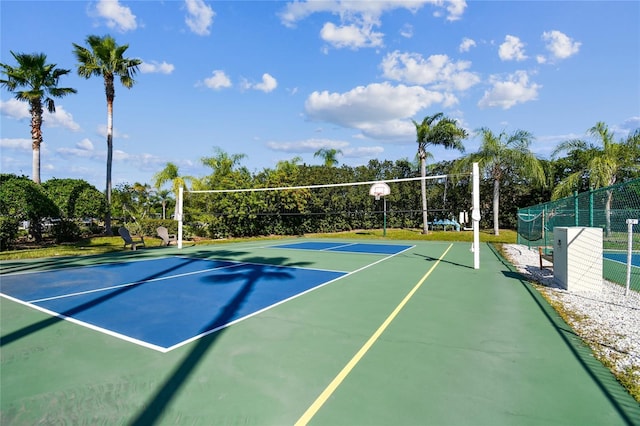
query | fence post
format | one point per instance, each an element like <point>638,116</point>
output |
<point>591,207</point>
<point>576,211</point>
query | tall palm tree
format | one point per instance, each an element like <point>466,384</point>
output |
<point>105,59</point>
<point>436,130</point>
<point>40,83</point>
<point>329,155</point>
<point>604,164</point>
<point>170,174</point>
<point>501,154</point>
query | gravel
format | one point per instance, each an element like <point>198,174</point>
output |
<point>607,320</point>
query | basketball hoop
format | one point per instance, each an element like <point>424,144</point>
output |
<point>379,189</point>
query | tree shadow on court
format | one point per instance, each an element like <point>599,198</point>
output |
<point>435,259</point>
<point>255,270</point>
<point>619,398</point>
<point>69,313</point>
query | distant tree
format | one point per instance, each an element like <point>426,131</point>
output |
<point>170,174</point>
<point>436,130</point>
<point>24,200</point>
<point>105,59</point>
<point>604,163</point>
<point>329,155</point>
<point>34,81</point>
<point>502,155</point>
<point>76,198</point>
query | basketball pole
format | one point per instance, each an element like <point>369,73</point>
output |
<point>179,214</point>
<point>475,215</point>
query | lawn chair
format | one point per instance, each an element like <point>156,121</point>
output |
<point>124,233</point>
<point>166,237</point>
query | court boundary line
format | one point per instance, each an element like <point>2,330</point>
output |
<point>113,287</point>
<point>335,383</point>
<point>88,325</point>
<point>295,296</point>
<point>206,333</point>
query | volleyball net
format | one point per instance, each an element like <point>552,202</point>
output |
<point>323,208</point>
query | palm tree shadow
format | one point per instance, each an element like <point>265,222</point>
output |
<point>69,313</point>
<point>435,259</point>
<point>251,274</point>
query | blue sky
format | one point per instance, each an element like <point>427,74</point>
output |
<point>275,80</point>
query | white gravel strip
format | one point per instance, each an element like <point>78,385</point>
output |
<point>607,320</point>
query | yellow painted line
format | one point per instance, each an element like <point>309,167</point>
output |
<point>319,402</point>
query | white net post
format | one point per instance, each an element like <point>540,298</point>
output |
<point>180,202</point>
<point>475,215</point>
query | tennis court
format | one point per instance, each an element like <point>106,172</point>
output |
<point>325,332</point>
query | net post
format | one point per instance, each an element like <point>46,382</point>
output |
<point>475,215</point>
<point>179,218</point>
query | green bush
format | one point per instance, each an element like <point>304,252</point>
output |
<point>8,232</point>
<point>66,231</point>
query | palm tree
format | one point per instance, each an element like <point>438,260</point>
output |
<point>170,174</point>
<point>106,59</point>
<point>435,130</point>
<point>329,155</point>
<point>40,83</point>
<point>501,154</point>
<point>603,164</point>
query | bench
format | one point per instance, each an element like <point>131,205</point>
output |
<point>545,255</point>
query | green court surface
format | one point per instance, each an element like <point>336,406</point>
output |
<point>413,338</point>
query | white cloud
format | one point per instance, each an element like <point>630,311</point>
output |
<point>268,83</point>
<point>102,131</point>
<point>363,152</point>
<point>560,45</point>
<point>218,80</point>
<point>406,31</point>
<point>512,49</point>
<point>378,110</point>
<point>466,44</point>
<point>299,10</point>
<point>514,90</point>
<point>437,70</point>
<point>60,118</point>
<point>156,67</point>
<point>16,144</point>
<point>19,110</point>
<point>15,109</point>
<point>199,16</point>
<point>359,18</point>
<point>83,149</point>
<point>306,146</point>
<point>351,36</point>
<point>116,15</point>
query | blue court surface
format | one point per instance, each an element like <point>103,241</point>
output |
<point>622,258</point>
<point>347,247</point>
<point>162,303</point>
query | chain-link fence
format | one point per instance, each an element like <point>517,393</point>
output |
<point>614,209</point>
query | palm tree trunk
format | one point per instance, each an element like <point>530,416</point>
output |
<point>107,219</point>
<point>607,210</point>
<point>36,139</point>
<point>496,206</point>
<point>423,190</point>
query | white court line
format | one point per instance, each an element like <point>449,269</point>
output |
<point>295,296</point>
<point>113,287</point>
<point>201,335</point>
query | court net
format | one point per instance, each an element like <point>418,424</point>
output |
<point>319,208</point>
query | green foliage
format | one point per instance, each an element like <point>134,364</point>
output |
<point>66,231</point>
<point>22,199</point>
<point>76,198</point>
<point>8,232</point>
